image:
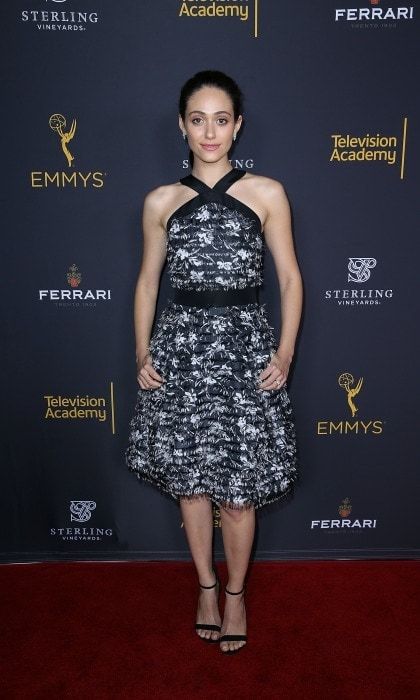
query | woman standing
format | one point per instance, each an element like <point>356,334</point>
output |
<point>213,420</point>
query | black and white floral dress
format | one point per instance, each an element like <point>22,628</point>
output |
<point>209,430</point>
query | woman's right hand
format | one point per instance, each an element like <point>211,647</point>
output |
<point>147,376</point>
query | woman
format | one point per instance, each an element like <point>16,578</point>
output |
<point>213,420</point>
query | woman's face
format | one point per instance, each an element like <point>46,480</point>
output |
<point>209,121</point>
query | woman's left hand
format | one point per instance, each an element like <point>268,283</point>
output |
<point>276,372</point>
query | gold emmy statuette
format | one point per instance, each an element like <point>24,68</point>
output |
<point>57,123</point>
<point>345,381</point>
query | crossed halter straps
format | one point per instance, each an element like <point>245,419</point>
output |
<point>221,297</point>
<point>221,185</point>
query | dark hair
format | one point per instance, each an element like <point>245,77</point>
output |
<point>213,78</point>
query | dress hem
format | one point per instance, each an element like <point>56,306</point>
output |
<point>217,499</point>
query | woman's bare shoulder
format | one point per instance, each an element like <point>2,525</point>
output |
<point>161,195</point>
<point>159,201</point>
<point>267,185</point>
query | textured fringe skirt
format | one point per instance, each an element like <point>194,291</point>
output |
<point>208,430</point>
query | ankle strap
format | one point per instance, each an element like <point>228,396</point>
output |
<point>214,584</point>
<point>237,592</point>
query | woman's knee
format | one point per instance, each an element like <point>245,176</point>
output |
<point>235,513</point>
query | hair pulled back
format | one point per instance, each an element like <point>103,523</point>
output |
<point>211,78</point>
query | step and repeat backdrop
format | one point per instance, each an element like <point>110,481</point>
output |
<point>90,125</point>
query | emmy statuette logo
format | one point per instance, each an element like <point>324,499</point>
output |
<point>350,426</point>
<point>57,123</point>
<point>346,381</point>
<point>70,176</point>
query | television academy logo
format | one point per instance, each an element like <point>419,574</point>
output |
<point>389,149</point>
<point>359,272</point>
<point>73,178</point>
<point>74,297</point>
<point>347,148</point>
<point>339,427</point>
<point>344,522</point>
<point>59,19</point>
<point>376,16</point>
<point>216,9</point>
<point>81,512</point>
<point>59,407</point>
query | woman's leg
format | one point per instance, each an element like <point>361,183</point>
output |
<point>238,529</point>
<point>197,516</point>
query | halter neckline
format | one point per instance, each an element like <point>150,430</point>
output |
<point>217,193</point>
<point>220,186</point>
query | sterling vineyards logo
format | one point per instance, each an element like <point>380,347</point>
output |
<point>81,512</point>
<point>358,273</point>
<point>72,296</point>
<point>243,163</point>
<point>344,522</point>
<point>59,19</point>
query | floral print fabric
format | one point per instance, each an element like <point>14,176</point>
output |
<point>208,430</point>
<point>214,247</point>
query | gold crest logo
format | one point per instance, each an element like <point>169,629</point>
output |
<point>344,509</point>
<point>73,276</point>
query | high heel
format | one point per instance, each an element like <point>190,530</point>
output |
<point>233,637</point>
<point>206,626</point>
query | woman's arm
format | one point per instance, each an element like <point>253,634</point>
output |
<point>147,287</point>
<point>278,236</point>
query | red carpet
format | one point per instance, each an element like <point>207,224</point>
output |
<point>108,631</point>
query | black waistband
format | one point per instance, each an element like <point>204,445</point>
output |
<point>217,297</point>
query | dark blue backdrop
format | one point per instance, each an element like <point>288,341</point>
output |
<point>332,112</point>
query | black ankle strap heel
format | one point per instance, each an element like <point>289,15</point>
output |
<point>204,625</point>
<point>237,592</point>
<point>233,637</point>
<point>213,584</point>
